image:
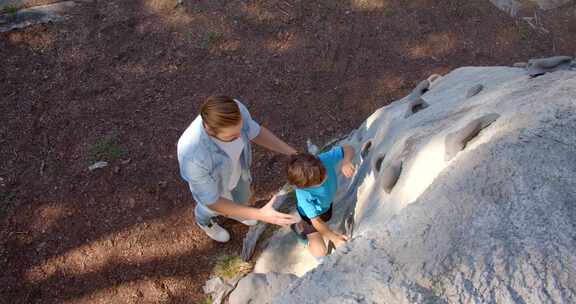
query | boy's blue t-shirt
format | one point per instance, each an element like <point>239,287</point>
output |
<point>315,201</point>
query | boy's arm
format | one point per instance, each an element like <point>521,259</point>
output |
<point>325,231</point>
<point>348,167</point>
<point>348,153</point>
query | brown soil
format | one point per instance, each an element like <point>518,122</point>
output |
<point>138,70</point>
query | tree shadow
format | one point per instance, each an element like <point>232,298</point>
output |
<point>62,287</point>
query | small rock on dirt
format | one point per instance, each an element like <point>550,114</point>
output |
<point>98,165</point>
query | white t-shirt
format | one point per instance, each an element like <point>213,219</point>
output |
<point>234,150</point>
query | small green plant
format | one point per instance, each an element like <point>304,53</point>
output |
<point>389,11</point>
<point>206,300</point>
<point>106,148</point>
<point>229,266</point>
<point>188,36</point>
<point>210,39</point>
<point>7,196</point>
<point>10,10</point>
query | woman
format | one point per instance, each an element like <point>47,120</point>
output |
<point>215,155</point>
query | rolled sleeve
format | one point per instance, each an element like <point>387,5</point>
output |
<point>203,186</point>
<point>308,209</point>
<point>253,127</point>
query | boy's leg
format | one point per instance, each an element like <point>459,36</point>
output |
<point>316,244</point>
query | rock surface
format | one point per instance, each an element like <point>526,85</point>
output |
<point>493,224</point>
<point>487,215</point>
<point>259,288</point>
<point>35,15</point>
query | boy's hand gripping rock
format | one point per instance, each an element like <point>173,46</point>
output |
<point>339,240</point>
<point>348,168</point>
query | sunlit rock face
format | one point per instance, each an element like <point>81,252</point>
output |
<point>465,193</point>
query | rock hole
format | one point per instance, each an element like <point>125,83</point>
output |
<point>432,79</point>
<point>520,64</point>
<point>349,225</point>
<point>378,163</point>
<point>458,140</point>
<point>420,89</point>
<point>415,106</point>
<point>534,75</point>
<point>390,176</point>
<point>473,91</point>
<point>538,67</point>
<point>366,149</point>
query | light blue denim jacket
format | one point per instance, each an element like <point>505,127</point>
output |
<point>205,166</point>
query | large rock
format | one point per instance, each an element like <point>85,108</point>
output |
<point>259,288</point>
<point>471,199</point>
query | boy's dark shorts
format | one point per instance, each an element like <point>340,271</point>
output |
<point>307,224</point>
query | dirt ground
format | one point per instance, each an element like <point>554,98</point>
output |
<point>120,80</point>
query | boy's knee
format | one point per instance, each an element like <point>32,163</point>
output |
<point>317,246</point>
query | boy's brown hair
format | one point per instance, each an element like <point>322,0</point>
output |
<point>305,170</point>
<point>220,112</point>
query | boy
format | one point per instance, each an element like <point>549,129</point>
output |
<point>315,182</point>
